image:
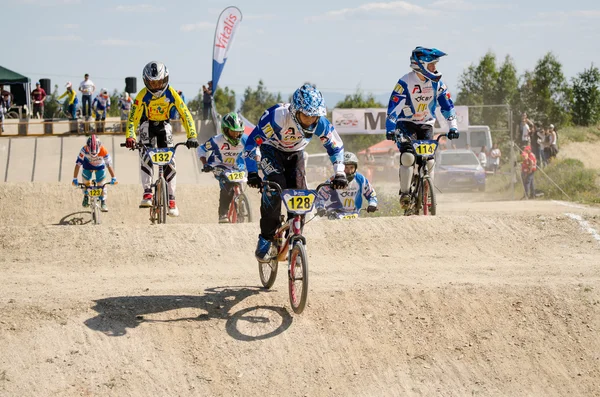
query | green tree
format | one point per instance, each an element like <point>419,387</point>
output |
<point>488,84</point>
<point>586,97</point>
<point>545,94</point>
<point>114,104</point>
<point>224,100</point>
<point>255,102</point>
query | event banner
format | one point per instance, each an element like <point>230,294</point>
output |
<point>227,25</point>
<point>372,121</point>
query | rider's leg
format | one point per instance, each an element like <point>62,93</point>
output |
<point>146,168</point>
<point>100,178</point>
<point>225,197</point>
<point>407,162</point>
<point>86,175</point>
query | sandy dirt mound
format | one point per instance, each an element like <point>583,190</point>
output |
<point>495,299</point>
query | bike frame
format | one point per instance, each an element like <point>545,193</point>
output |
<point>94,206</point>
<point>232,213</point>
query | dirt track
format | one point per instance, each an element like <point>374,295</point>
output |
<point>496,299</point>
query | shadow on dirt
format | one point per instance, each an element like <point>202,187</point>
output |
<point>117,314</point>
<point>76,218</point>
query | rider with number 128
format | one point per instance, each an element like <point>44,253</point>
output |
<point>225,151</point>
<point>411,111</point>
<point>155,102</point>
<point>282,133</point>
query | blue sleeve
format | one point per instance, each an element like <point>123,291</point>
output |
<point>207,147</point>
<point>446,104</point>
<point>398,101</point>
<point>254,140</point>
<point>241,164</point>
<point>331,140</point>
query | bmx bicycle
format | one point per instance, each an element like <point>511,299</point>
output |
<point>239,208</point>
<point>422,194</point>
<point>160,200</point>
<point>289,243</point>
<point>94,193</point>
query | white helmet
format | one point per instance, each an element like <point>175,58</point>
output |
<point>156,78</point>
<point>68,85</point>
<point>351,159</point>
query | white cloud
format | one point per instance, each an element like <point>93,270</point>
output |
<point>571,14</point>
<point>462,5</point>
<point>190,27</point>
<point>140,8</point>
<point>258,17</point>
<point>118,43</point>
<point>373,9</point>
<point>61,38</point>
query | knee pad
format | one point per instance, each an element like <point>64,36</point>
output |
<point>407,159</point>
<point>430,164</point>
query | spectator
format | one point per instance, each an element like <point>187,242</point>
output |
<point>70,104</point>
<point>180,93</point>
<point>8,98</point>
<point>2,111</point>
<point>540,137</point>
<point>482,156</point>
<point>495,155</point>
<point>87,89</point>
<point>553,141</point>
<point>526,125</point>
<point>206,100</point>
<point>39,97</point>
<point>125,107</point>
<point>528,168</point>
<point>533,138</point>
<point>101,106</point>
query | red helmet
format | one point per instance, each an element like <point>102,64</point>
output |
<point>93,145</point>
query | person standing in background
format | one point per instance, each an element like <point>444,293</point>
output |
<point>124,107</point>
<point>39,97</point>
<point>87,89</point>
<point>206,100</point>
<point>495,155</point>
<point>528,168</point>
<point>70,104</point>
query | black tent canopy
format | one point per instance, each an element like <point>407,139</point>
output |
<point>20,86</point>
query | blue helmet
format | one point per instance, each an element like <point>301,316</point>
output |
<point>421,57</point>
<point>308,100</point>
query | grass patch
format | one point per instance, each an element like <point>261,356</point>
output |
<point>571,175</point>
<point>578,134</point>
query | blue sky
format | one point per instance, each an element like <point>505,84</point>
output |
<point>339,45</point>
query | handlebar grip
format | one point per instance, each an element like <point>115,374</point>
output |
<point>123,145</point>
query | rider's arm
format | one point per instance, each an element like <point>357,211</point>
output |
<point>76,171</point>
<point>368,191</point>
<point>204,150</point>
<point>446,105</point>
<point>323,197</point>
<point>137,109</point>
<point>78,163</point>
<point>63,95</point>
<point>398,106</point>
<point>184,112</point>
<point>239,161</point>
<point>254,140</point>
<point>332,143</point>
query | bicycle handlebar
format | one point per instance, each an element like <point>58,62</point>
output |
<point>275,185</point>
<point>84,186</point>
<point>399,135</point>
<point>139,146</point>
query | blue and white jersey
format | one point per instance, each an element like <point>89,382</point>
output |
<point>349,199</point>
<point>101,102</point>
<point>277,128</point>
<point>415,100</point>
<point>218,151</point>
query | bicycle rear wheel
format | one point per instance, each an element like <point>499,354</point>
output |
<point>12,115</point>
<point>428,201</point>
<point>244,213</point>
<point>298,277</point>
<point>161,201</point>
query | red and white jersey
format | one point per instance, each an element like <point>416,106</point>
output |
<point>90,162</point>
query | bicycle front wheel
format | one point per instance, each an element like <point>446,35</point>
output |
<point>428,202</point>
<point>244,213</point>
<point>161,201</point>
<point>95,212</point>
<point>268,272</point>
<point>298,277</point>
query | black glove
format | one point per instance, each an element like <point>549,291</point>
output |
<point>372,208</point>
<point>207,168</point>
<point>339,181</point>
<point>407,147</point>
<point>192,143</point>
<point>390,135</point>
<point>321,211</point>
<point>453,133</point>
<point>254,180</point>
